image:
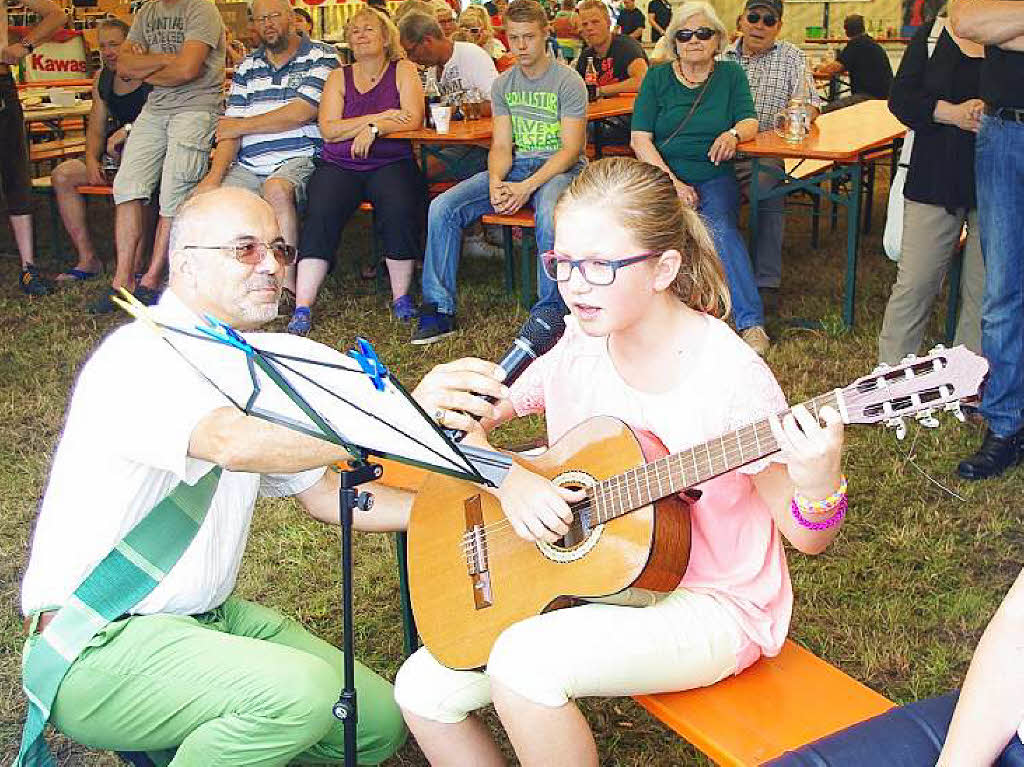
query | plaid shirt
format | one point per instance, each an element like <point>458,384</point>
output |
<point>775,78</point>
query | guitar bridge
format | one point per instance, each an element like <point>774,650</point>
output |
<point>474,544</point>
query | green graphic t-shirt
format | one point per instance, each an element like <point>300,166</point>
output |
<point>538,106</point>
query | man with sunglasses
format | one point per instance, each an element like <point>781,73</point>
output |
<point>777,72</point>
<point>190,666</point>
<point>268,136</point>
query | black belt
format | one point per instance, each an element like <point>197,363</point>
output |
<point>1006,113</point>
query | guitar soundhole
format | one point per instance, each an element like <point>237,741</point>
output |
<point>583,525</point>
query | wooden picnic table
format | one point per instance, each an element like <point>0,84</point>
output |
<point>845,138</point>
<point>479,131</point>
<point>41,113</point>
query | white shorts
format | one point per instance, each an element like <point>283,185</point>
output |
<point>683,641</point>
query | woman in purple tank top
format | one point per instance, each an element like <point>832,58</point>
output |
<point>378,94</point>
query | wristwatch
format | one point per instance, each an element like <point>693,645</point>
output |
<point>127,127</point>
<point>374,130</point>
<point>735,133</point>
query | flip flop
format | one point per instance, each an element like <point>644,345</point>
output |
<point>76,275</point>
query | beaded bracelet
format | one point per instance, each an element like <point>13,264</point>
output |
<point>837,503</point>
<point>835,519</point>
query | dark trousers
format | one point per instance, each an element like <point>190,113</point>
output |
<point>15,181</point>
<point>906,736</point>
<point>397,193</point>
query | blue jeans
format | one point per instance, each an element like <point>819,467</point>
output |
<point>999,171</point>
<point>463,204</point>
<point>719,202</point>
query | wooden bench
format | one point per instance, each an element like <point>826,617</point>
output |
<point>774,706</point>
<point>524,219</point>
<point>44,185</point>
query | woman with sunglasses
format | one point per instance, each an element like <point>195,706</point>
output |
<point>476,24</point>
<point>644,344</point>
<point>688,118</point>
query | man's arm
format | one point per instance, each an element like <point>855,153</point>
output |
<point>239,442</point>
<point>992,700</point>
<point>53,18</point>
<point>989,22</point>
<point>502,152</point>
<point>181,67</point>
<point>574,136</point>
<point>95,138</point>
<point>294,114</point>
<point>390,510</point>
<point>654,23</point>
<point>636,70</point>
<point>220,160</point>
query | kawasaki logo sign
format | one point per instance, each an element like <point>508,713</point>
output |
<point>43,63</point>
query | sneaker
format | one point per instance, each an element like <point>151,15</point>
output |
<point>301,322</point>
<point>756,339</point>
<point>433,326</point>
<point>33,283</point>
<point>403,308</point>
<point>146,296</point>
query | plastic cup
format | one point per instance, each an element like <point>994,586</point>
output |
<point>442,116</point>
<point>60,97</point>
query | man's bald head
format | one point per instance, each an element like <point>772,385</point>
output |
<point>205,271</point>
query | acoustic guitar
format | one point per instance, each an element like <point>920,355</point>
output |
<point>471,576</point>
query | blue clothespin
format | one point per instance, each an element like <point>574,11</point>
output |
<point>221,331</point>
<point>369,362</point>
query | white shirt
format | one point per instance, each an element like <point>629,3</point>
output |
<point>124,448</point>
<point>469,67</point>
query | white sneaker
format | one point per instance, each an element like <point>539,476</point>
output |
<point>476,245</point>
<point>757,339</point>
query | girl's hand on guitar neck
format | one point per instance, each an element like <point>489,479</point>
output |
<point>812,452</point>
<point>537,508</point>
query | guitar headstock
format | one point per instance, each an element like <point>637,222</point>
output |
<point>917,387</point>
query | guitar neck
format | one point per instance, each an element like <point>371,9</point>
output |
<point>650,482</point>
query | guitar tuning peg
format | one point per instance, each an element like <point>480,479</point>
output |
<point>937,348</point>
<point>899,425</point>
<point>954,408</point>
<point>882,367</point>
<point>927,418</point>
<point>908,358</point>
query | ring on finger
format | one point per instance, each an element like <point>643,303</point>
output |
<point>439,416</point>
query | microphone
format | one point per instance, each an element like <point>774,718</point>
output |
<point>537,336</point>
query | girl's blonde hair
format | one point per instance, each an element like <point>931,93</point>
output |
<point>393,50</point>
<point>642,200</point>
<point>477,14</point>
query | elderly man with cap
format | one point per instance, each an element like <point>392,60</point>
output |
<point>777,72</point>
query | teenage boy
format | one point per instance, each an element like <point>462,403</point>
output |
<point>540,116</point>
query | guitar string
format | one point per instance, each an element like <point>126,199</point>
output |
<point>616,485</point>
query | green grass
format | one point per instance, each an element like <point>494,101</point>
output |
<point>898,601</point>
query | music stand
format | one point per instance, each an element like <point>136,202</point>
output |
<point>311,388</point>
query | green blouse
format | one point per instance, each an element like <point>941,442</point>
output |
<point>664,102</point>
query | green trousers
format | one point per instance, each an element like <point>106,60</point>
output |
<point>240,685</point>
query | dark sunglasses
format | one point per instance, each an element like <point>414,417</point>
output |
<point>768,18</point>
<point>704,33</point>
<point>252,253</point>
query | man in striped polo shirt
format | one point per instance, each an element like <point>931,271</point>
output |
<point>268,137</point>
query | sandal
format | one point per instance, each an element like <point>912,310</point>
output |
<point>77,275</point>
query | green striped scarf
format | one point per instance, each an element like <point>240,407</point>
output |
<point>132,569</point>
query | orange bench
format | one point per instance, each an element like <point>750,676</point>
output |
<point>774,706</point>
<point>524,219</point>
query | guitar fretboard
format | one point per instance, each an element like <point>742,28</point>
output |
<point>649,482</point>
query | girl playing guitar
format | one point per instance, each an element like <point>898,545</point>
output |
<point>644,343</point>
